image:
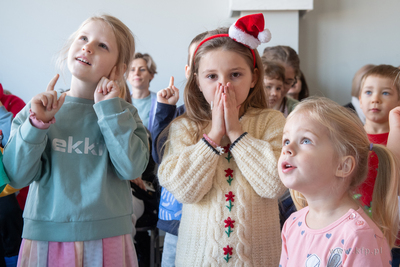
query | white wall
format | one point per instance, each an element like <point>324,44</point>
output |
<point>340,36</point>
<point>336,38</point>
<point>32,32</point>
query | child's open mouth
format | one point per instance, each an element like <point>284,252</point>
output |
<point>83,60</point>
<point>287,167</point>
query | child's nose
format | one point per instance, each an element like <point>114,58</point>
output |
<point>223,81</point>
<point>88,48</point>
<point>375,98</point>
<point>288,150</point>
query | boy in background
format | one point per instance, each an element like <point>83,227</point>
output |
<point>380,93</point>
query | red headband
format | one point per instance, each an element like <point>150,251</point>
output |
<point>224,35</point>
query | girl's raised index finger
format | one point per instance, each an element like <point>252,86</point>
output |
<point>171,81</point>
<point>52,83</point>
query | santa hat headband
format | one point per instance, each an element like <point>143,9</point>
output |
<point>248,30</point>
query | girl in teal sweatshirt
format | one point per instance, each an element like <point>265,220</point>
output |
<point>78,152</point>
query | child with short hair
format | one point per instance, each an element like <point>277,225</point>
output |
<point>78,153</point>
<point>220,159</point>
<point>379,94</point>
<point>355,92</point>
<point>324,159</point>
<point>274,77</point>
<point>286,56</point>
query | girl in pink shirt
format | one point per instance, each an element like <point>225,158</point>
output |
<point>324,159</point>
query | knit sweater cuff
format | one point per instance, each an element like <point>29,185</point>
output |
<point>237,140</point>
<point>210,146</point>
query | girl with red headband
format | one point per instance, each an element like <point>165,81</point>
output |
<point>221,155</point>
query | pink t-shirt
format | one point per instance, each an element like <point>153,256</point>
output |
<point>353,240</point>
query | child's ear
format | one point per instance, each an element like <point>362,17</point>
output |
<point>254,78</point>
<point>187,72</point>
<point>346,166</point>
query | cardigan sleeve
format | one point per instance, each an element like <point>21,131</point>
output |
<point>257,159</point>
<point>188,168</point>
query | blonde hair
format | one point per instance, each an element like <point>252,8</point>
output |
<point>198,109</point>
<point>350,139</point>
<point>384,71</point>
<point>356,83</point>
<point>125,44</point>
<point>125,94</point>
<point>150,64</point>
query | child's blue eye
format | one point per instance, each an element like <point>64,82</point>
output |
<point>286,142</point>
<point>306,141</point>
<point>268,87</point>
<point>368,92</point>
<point>385,93</point>
<point>84,38</point>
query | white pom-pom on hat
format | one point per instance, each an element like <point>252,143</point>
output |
<point>264,36</point>
<point>249,30</point>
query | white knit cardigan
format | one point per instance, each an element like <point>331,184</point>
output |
<point>230,213</point>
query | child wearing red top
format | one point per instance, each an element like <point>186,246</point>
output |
<point>378,96</point>
<point>366,189</point>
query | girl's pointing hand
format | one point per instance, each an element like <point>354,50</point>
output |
<point>46,105</point>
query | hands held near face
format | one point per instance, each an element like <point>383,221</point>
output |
<point>46,105</point>
<point>107,88</point>
<point>225,114</point>
<point>169,95</point>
